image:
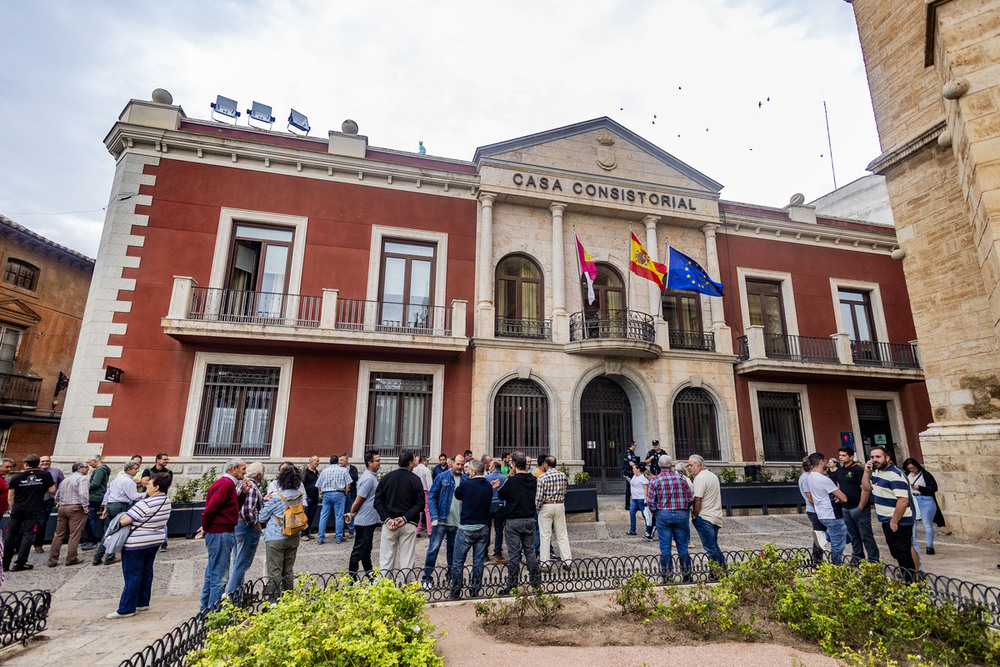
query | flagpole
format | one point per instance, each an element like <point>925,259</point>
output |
<point>579,277</point>
<point>629,277</point>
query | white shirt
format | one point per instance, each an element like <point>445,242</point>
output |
<point>706,487</point>
<point>821,486</point>
<point>122,490</point>
<point>424,473</point>
<point>803,489</point>
<point>638,484</point>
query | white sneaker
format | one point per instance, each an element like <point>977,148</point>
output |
<point>115,614</point>
<point>142,608</point>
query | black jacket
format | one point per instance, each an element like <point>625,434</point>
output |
<point>519,494</point>
<point>400,493</point>
<point>931,490</point>
<point>476,495</point>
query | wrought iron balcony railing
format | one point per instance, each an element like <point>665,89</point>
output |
<point>800,348</point>
<point>692,340</point>
<point>19,390</point>
<point>242,307</point>
<point>516,327</point>
<point>891,355</point>
<point>612,325</point>
<point>390,317</point>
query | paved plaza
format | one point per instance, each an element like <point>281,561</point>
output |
<point>78,633</point>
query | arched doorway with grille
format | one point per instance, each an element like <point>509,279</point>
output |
<point>605,431</point>
<point>520,419</point>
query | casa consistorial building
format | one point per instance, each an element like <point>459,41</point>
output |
<point>274,296</point>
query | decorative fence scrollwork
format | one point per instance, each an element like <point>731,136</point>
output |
<point>22,615</point>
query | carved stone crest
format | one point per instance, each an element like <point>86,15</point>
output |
<point>605,154</point>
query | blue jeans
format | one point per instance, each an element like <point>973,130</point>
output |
<point>838,539</point>
<point>928,508</point>
<point>708,532</point>
<point>478,541</point>
<point>440,533</point>
<point>858,522</point>
<point>332,500</point>
<point>674,525</point>
<point>246,540</point>
<point>220,549</point>
<point>94,531</point>
<point>636,506</point>
<point>137,568</point>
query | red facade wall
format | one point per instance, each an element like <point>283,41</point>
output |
<point>149,404</point>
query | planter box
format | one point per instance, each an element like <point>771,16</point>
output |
<point>582,498</point>
<point>743,495</point>
<point>185,519</point>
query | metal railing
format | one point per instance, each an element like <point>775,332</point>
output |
<point>216,304</point>
<point>588,574</point>
<point>22,615</point>
<point>390,317</point>
<point>800,348</point>
<point>892,355</point>
<point>516,327</point>
<point>743,351</point>
<point>20,390</point>
<point>692,340</point>
<point>612,324</point>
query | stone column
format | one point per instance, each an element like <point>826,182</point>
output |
<point>560,321</point>
<point>715,303</point>
<point>651,249</point>
<point>484,299</point>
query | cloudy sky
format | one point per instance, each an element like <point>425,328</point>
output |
<point>735,88</point>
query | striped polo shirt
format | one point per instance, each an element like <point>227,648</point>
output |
<point>888,485</point>
<point>150,515</point>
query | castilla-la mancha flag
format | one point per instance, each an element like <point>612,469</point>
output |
<point>642,265</point>
<point>588,269</point>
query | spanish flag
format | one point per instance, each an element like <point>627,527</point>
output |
<point>642,265</point>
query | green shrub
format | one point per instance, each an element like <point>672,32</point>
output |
<point>706,611</point>
<point>635,596</point>
<point>206,480</point>
<point>186,492</point>
<point>765,475</point>
<point>791,475</point>
<point>346,623</point>
<point>728,475</point>
<point>581,478</point>
<point>543,605</point>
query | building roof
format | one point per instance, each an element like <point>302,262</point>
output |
<point>8,226</point>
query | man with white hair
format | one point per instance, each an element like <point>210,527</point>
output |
<point>669,499</point>
<point>121,493</point>
<point>218,522</point>
<point>247,533</point>
<point>706,511</point>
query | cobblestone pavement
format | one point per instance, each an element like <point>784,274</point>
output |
<point>78,633</point>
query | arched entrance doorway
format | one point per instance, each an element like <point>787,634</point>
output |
<point>605,430</point>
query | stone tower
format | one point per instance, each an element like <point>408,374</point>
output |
<point>934,73</point>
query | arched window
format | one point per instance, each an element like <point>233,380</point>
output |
<point>696,428</point>
<point>520,419</point>
<point>519,299</point>
<point>609,291</point>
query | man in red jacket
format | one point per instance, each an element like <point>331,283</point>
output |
<point>218,521</point>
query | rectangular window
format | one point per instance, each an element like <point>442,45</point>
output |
<point>406,292</point>
<point>781,425</point>
<point>764,304</point>
<point>682,311</point>
<point>237,413</point>
<point>258,272</point>
<point>21,274</point>
<point>9,338</point>
<point>399,413</point>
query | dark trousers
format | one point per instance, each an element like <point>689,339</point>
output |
<point>311,510</point>
<point>137,567</point>
<point>362,551</point>
<point>20,536</point>
<point>476,541</point>
<point>43,522</point>
<point>520,534</point>
<point>899,545</point>
<point>95,524</point>
<point>859,529</point>
<point>497,519</point>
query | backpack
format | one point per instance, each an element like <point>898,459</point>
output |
<point>294,520</point>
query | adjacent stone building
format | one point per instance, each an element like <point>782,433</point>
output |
<point>42,294</point>
<point>934,72</point>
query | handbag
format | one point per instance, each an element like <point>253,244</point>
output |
<point>116,534</point>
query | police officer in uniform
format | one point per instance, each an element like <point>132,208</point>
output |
<point>628,459</point>
<point>653,458</point>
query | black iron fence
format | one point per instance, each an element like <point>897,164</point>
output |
<point>800,348</point>
<point>517,327</point>
<point>891,355</point>
<point>22,615</point>
<point>612,324</point>
<point>580,575</point>
<point>215,304</point>
<point>692,340</point>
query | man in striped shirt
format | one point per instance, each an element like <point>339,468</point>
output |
<point>550,496</point>
<point>893,504</point>
<point>669,498</point>
<point>333,482</point>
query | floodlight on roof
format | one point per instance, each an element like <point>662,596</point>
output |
<point>260,113</point>
<point>225,107</point>
<point>299,121</point>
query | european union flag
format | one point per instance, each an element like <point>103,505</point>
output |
<point>685,274</point>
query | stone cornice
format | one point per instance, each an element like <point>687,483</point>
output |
<point>890,158</point>
<point>747,224</point>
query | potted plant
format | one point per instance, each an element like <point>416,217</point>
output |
<point>581,495</point>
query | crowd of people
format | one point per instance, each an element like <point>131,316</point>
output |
<point>463,503</point>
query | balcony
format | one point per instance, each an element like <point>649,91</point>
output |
<point>623,333</point>
<point>219,314</point>
<point>19,391</point>
<point>692,340</point>
<point>527,329</point>
<point>834,356</point>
